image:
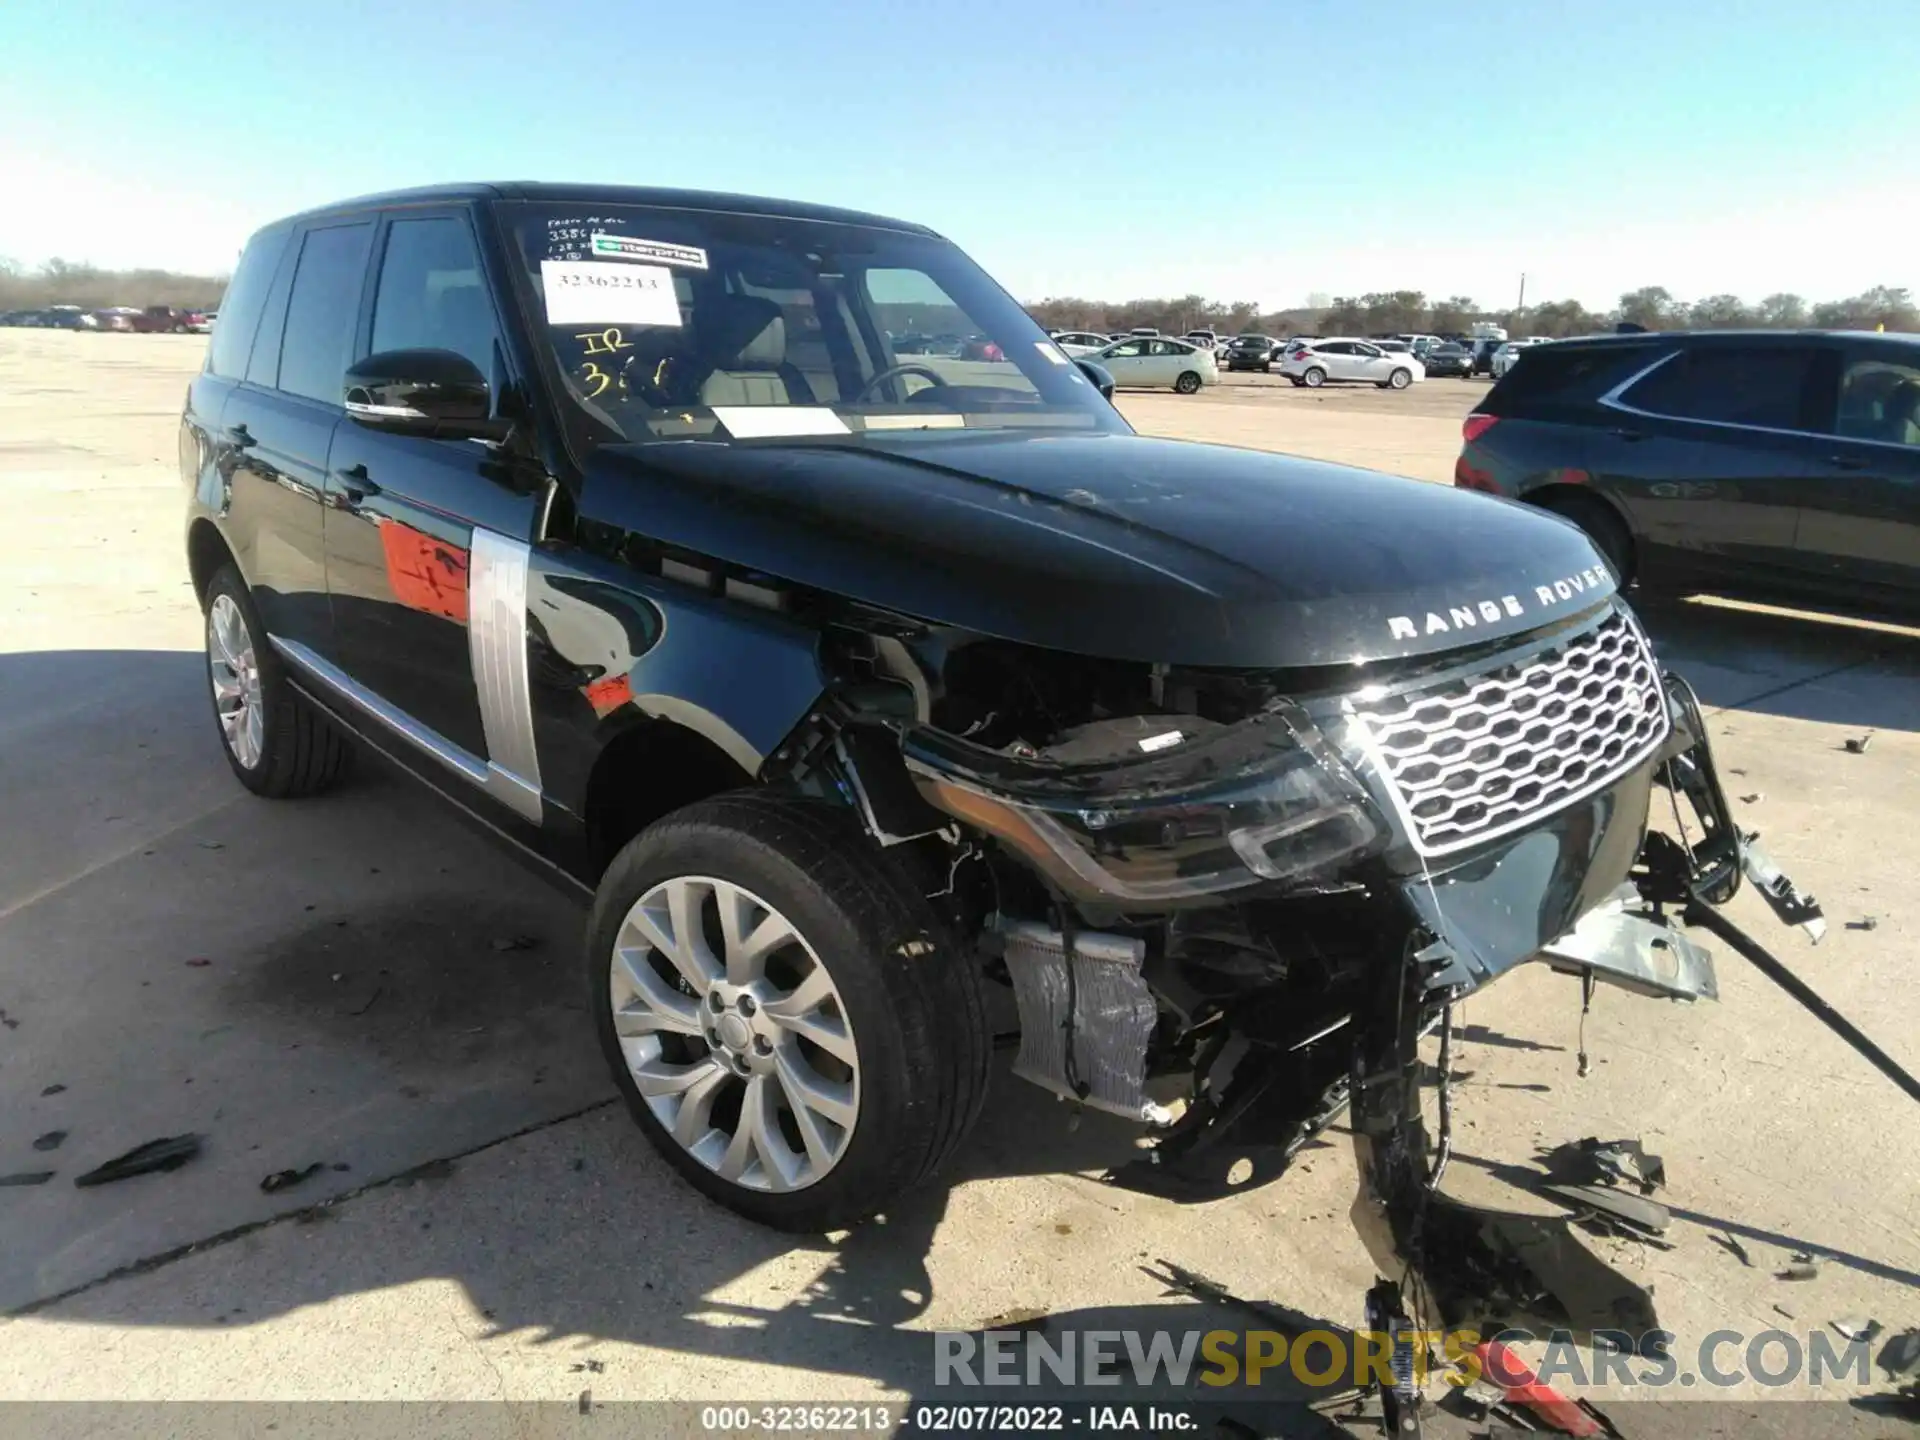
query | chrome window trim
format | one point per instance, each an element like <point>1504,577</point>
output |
<point>510,790</point>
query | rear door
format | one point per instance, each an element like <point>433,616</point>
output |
<point>1713,450</point>
<point>279,424</point>
<point>1859,525</point>
<point>427,539</point>
<point>1166,359</point>
<point>1336,357</point>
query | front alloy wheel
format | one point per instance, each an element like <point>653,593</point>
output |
<point>789,1021</point>
<point>735,1034</point>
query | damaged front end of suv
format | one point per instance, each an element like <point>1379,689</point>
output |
<point>1230,903</point>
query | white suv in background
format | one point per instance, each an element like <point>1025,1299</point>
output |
<point>1314,362</point>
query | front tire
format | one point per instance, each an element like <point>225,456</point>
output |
<point>1314,377</point>
<point>789,1022</point>
<point>277,742</point>
<point>1604,528</point>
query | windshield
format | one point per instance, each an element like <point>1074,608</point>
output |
<point>684,324</point>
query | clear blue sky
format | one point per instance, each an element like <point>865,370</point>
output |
<point>1256,149</point>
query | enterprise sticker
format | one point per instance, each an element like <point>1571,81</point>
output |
<point>626,247</point>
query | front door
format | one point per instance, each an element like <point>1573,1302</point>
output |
<point>427,540</point>
<point>1127,363</point>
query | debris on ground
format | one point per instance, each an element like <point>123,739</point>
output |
<point>8,1020</point>
<point>1611,1212</point>
<point>287,1179</point>
<point>1733,1247</point>
<point>1802,1266</point>
<point>213,845</point>
<point>27,1177</point>
<point>1857,1327</point>
<point>1753,799</point>
<point>586,1402</point>
<point>1523,1389</point>
<point>504,943</point>
<point>1605,1162</point>
<point>371,1000</point>
<point>50,1141</point>
<point>1857,744</point>
<point>1868,922</point>
<point>167,1153</point>
<point>52,1090</point>
<point>595,1367</point>
<point>1783,1310</point>
<point>1021,1317</point>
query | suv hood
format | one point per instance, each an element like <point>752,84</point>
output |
<point>1113,545</point>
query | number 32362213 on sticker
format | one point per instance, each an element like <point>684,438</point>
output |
<point>600,292</point>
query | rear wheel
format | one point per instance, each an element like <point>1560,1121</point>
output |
<point>1188,383</point>
<point>277,742</point>
<point>1314,377</point>
<point>787,1020</point>
<point>1608,532</point>
<point>1399,379</point>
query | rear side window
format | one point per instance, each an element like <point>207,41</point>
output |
<point>1761,385</point>
<point>322,310</point>
<point>239,309</point>
<point>432,295</point>
<point>1561,374</point>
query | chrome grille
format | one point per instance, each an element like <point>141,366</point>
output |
<point>1478,755</point>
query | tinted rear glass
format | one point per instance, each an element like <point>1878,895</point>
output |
<point>1563,374</point>
<point>1765,385</point>
<point>239,309</point>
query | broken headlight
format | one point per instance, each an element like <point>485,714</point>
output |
<point>1160,809</point>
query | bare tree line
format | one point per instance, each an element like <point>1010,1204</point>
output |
<point>63,282</point>
<point>1392,312</point>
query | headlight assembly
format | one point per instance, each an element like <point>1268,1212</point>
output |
<point>1175,809</point>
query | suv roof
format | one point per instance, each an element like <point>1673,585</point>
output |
<point>610,195</point>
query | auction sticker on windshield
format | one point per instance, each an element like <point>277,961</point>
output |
<point>590,292</point>
<point>628,247</point>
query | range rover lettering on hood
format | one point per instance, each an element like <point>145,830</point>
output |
<point>1469,615</point>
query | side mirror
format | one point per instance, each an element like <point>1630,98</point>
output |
<point>1101,377</point>
<point>423,392</point>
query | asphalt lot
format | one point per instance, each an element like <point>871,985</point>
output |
<point>358,981</point>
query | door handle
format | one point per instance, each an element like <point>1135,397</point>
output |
<point>355,483</point>
<point>238,437</point>
<point>1846,462</point>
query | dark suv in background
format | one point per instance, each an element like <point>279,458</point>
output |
<point>1250,352</point>
<point>1773,463</point>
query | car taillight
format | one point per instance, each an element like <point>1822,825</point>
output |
<point>1474,426</point>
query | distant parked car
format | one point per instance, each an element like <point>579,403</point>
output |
<point>979,347</point>
<point>1505,357</point>
<point>1251,352</point>
<point>1449,359</point>
<point>1314,363</point>
<point>1205,338</point>
<point>1764,463</point>
<point>1079,342</point>
<point>67,317</point>
<point>200,322</point>
<point>116,317</point>
<point>1142,361</point>
<point>159,320</point>
<point>1484,349</point>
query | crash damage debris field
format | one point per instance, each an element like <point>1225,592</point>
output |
<point>381,992</point>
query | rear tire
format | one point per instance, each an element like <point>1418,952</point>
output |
<point>1608,532</point>
<point>1188,383</point>
<point>1399,379</point>
<point>905,1045</point>
<point>278,743</point>
<point>1314,377</point>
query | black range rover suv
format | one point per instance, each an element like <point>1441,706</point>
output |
<point>849,683</point>
<point>1779,464</point>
